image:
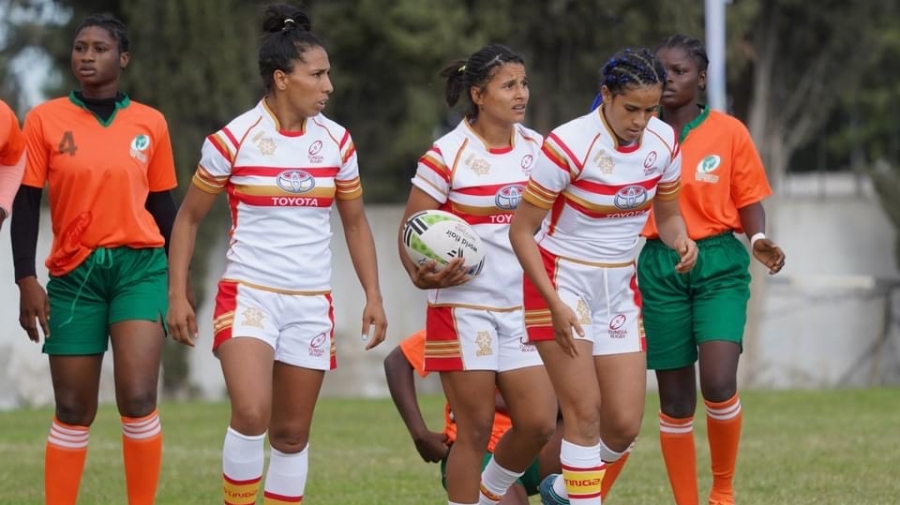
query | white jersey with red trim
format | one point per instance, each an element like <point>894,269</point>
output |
<point>599,193</point>
<point>483,186</point>
<point>280,187</point>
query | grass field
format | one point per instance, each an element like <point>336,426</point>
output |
<point>834,447</point>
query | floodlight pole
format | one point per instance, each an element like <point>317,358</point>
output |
<point>715,50</point>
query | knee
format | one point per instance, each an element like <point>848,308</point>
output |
<point>583,419</point>
<point>678,404</point>
<point>138,404</point>
<point>621,429</point>
<point>250,419</point>
<point>76,413</point>
<point>475,434</point>
<point>718,391</point>
<point>540,429</point>
<point>289,440</point>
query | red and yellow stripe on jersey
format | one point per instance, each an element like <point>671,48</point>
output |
<point>281,186</point>
<point>599,193</point>
<point>483,186</point>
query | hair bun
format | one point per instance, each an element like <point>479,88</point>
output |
<point>284,17</point>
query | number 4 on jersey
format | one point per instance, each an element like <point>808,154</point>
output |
<point>67,144</point>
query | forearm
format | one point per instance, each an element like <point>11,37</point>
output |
<point>161,206</point>
<point>753,219</point>
<point>24,231</point>
<point>183,239</point>
<point>526,249</point>
<point>402,387</point>
<point>669,222</point>
<point>10,178</point>
<point>361,245</point>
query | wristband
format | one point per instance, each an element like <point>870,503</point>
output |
<point>755,237</point>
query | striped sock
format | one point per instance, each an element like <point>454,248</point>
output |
<point>243,457</point>
<point>723,424</point>
<point>64,462</point>
<point>583,472</point>
<point>142,452</point>
<point>676,438</point>
<point>495,482</point>
<point>286,478</point>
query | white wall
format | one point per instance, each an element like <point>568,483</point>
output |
<point>817,323</point>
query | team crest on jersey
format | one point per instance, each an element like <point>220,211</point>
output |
<point>295,181</point>
<point>478,165</point>
<point>508,197</point>
<point>649,163</point>
<point>314,150</point>
<point>630,197</point>
<point>316,346</point>
<point>705,168</point>
<point>483,341</point>
<point>527,161</point>
<point>266,146</point>
<point>138,146</point>
<point>605,162</point>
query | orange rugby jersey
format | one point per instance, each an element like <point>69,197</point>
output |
<point>483,186</point>
<point>13,141</point>
<point>413,348</point>
<point>598,192</point>
<point>281,187</point>
<point>99,174</point>
<point>722,173</point>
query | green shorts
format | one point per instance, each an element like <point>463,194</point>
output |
<point>682,311</point>
<point>110,286</point>
<point>530,480</point>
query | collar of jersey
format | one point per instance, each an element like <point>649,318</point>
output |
<point>697,121</point>
<point>122,101</point>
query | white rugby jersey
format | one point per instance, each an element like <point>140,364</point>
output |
<point>280,189</point>
<point>483,186</point>
<point>599,193</point>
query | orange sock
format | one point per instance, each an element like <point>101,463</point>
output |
<point>142,451</point>
<point>676,437</point>
<point>64,462</point>
<point>612,473</point>
<point>723,425</point>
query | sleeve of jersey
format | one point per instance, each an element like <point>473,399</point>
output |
<point>347,183</point>
<point>38,156</point>
<point>551,174</point>
<point>433,175</point>
<point>670,183</point>
<point>413,347</point>
<point>749,183</point>
<point>216,159</point>
<point>12,141</point>
<point>161,171</point>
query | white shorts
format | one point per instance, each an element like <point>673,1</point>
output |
<point>461,338</point>
<point>605,300</point>
<point>300,328</point>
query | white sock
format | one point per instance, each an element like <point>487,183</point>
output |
<point>610,456</point>
<point>582,466</point>
<point>243,457</point>
<point>495,481</point>
<point>286,478</point>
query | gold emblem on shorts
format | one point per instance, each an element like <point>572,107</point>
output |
<point>483,341</point>
<point>605,162</point>
<point>253,317</point>
<point>584,314</point>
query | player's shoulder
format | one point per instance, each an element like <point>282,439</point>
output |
<point>529,135</point>
<point>51,107</point>
<point>6,110</point>
<point>146,112</point>
<point>661,131</point>
<point>450,143</point>
<point>733,125</point>
<point>239,126</point>
<point>330,127</point>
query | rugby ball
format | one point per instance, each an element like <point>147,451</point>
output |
<point>441,236</point>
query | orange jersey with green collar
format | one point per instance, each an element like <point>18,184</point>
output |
<point>413,348</point>
<point>720,172</point>
<point>99,175</point>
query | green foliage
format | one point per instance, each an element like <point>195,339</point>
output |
<point>796,449</point>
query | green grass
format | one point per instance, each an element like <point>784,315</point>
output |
<point>833,447</point>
